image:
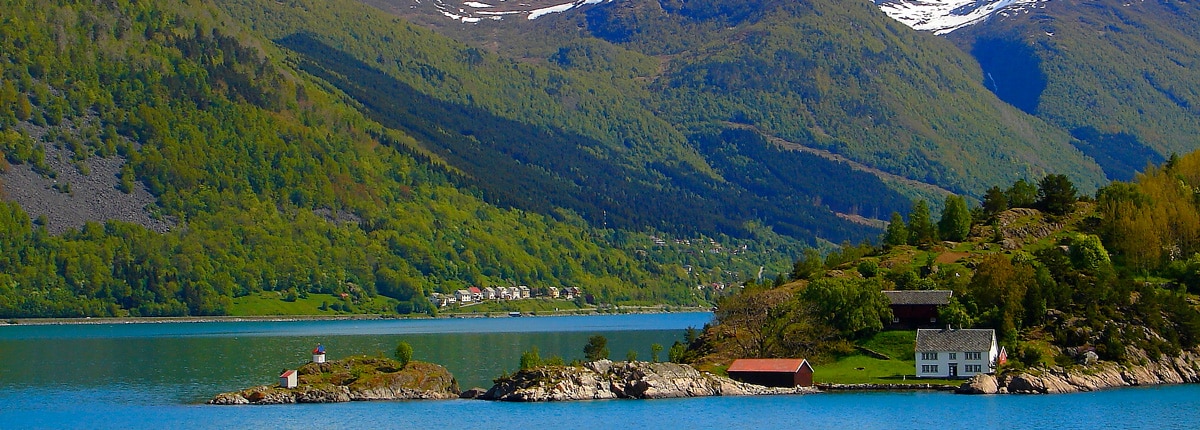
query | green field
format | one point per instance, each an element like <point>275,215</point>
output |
<point>273,303</point>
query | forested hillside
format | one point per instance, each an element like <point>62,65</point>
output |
<point>578,131</point>
<point>1056,274</point>
<point>1121,77</point>
<point>265,180</point>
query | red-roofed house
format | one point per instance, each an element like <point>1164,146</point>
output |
<point>772,372</point>
<point>288,379</point>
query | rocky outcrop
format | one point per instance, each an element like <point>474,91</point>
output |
<point>621,380</point>
<point>352,379</point>
<point>979,384</point>
<point>1184,368</point>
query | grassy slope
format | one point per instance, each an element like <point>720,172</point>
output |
<point>273,303</point>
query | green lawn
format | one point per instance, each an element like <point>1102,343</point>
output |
<point>864,369</point>
<point>897,344</point>
<point>272,303</point>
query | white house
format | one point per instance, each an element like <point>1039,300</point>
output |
<point>948,353</point>
<point>524,291</point>
<point>463,296</point>
<point>288,379</point>
<point>489,293</point>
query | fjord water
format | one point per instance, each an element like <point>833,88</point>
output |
<point>156,376</point>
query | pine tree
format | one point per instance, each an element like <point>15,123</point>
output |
<point>1056,194</point>
<point>1022,194</point>
<point>994,202</point>
<point>897,232</point>
<point>955,224</point>
<point>920,225</point>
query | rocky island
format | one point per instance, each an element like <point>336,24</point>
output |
<point>604,379</point>
<point>352,379</point>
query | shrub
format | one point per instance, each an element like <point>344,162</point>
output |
<point>404,353</point>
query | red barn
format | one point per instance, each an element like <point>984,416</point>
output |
<point>773,372</point>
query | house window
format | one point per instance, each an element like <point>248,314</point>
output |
<point>928,368</point>
<point>974,368</point>
<point>953,355</point>
<point>929,356</point>
<point>972,355</point>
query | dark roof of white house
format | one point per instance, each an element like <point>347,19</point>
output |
<point>919,297</point>
<point>955,340</point>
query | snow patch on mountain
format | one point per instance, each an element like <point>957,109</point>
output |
<point>945,16</point>
<point>496,10</point>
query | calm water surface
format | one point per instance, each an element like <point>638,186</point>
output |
<point>154,376</point>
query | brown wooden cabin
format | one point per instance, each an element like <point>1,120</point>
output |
<point>773,372</point>
<point>916,308</point>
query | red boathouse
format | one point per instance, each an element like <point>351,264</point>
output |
<point>773,372</point>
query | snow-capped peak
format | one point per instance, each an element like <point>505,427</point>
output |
<point>944,16</point>
<point>496,10</point>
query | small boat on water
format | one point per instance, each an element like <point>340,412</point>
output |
<point>514,314</point>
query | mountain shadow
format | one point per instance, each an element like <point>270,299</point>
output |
<point>1012,71</point>
<point>1121,155</point>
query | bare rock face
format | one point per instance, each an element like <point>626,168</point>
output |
<point>621,380</point>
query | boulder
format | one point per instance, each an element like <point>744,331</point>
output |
<point>473,393</point>
<point>980,384</point>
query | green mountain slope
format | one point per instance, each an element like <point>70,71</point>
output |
<point>1122,77</point>
<point>842,76</point>
<point>267,181</point>
<point>834,75</point>
<point>579,131</point>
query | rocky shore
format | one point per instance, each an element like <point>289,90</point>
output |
<point>605,379</point>
<point>885,387</point>
<point>1181,369</point>
<point>352,379</point>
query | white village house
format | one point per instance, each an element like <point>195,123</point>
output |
<point>949,353</point>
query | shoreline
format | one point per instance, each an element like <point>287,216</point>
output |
<point>354,317</point>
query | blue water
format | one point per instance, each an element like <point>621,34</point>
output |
<point>154,376</point>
